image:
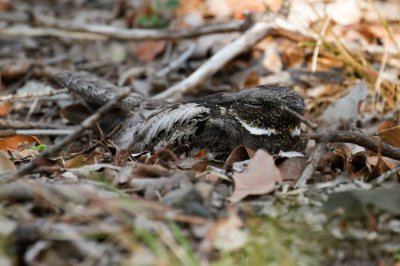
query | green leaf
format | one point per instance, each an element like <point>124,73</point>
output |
<point>40,147</point>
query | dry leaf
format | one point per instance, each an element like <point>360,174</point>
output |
<point>238,7</point>
<point>357,164</point>
<point>391,136</point>
<point>226,234</point>
<point>292,168</point>
<point>148,50</point>
<point>188,7</point>
<point>272,60</point>
<point>5,108</point>
<point>344,12</point>
<point>6,5</point>
<point>380,165</point>
<point>240,153</point>
<point>6,166</point>
<point>273,5</point>
<point>76,162</point>
<point>17,142</point>
<point>374,160</point>
<point>345,109</point>
<point>260,177</point>
<point>220,9</point>
<point>74,113</point>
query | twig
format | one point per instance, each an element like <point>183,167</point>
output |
<point>380,179</point>
<point>44,132</point>
<point>14,97</point>
<point>38,32</point>
<point>217,61</point>
<point>56,148</point>
<point>132,73</point>
<point>318,44</point>
<point>324,136</point>
<point>355,137</point>
<point>147,34</point>
<point>312,165</point>
<point>15,124</point>
<point>94,145</point>
<point>300,117</point>
<point>61,28</point>
<point>177,62</point>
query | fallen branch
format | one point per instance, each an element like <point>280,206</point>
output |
<point>312,165</point>
<point>56,148</point>
<point>37,132</point>
<point>218,61</point>
<point>323,136</point>
<point>61,28</point>
<point>178,62</point>
<point>15,97</point>
<point>16,124</point>
<point>355,137</point>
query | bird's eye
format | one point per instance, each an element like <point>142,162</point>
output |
<point>253,105</point>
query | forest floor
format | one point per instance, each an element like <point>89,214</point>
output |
<point>66,198</point>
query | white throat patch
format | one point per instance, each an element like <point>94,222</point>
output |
<point>258,130</point>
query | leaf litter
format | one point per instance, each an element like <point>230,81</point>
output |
<point>87,207</point>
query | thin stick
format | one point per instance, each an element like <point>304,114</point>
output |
<point>16,124</point>
<point>300,117</point>
<point>56,148</point>
<point>62,28</point>
<point>318,44</point>
<point>14,97</point>
<point>382,178</point>
<point>94,145</point>
<point>177,62</point>
<point>218,61</point>
<point>43,132</point>
<point>355,137</point>
<point>312,165</point>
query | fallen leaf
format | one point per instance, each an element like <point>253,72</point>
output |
<point>391,136</point>
<point>357,164</point>
<point>272,60</point>
<point>259,178</point>
<point>6,166</point>
<point>6,5</point>
<point>355,203</point>
<point>76,162</point>
<point>344,12</point>
<point>379,165</point>
<point>74,113</point>
<point>292,168</point>
<point>148,50</point>
<point>17,142</point>
<point>220,9</point>
<point>240,153</point>
<point>188,7</point>
<point>386,124</point>
<point>238,7</point>
<point>226,234</point>
<point>374,160</point>
<point>5,108</point>
<point>345,109</point>
<point>273,5</point>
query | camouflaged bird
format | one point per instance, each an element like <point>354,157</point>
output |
<point>216,123</point>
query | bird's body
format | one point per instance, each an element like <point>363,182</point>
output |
<point>217,123</point>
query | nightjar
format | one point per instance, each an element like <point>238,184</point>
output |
<point>216,123</point>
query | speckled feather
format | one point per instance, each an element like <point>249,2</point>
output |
<point>217,123</point>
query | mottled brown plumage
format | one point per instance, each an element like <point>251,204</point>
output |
<point>217,123</point>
